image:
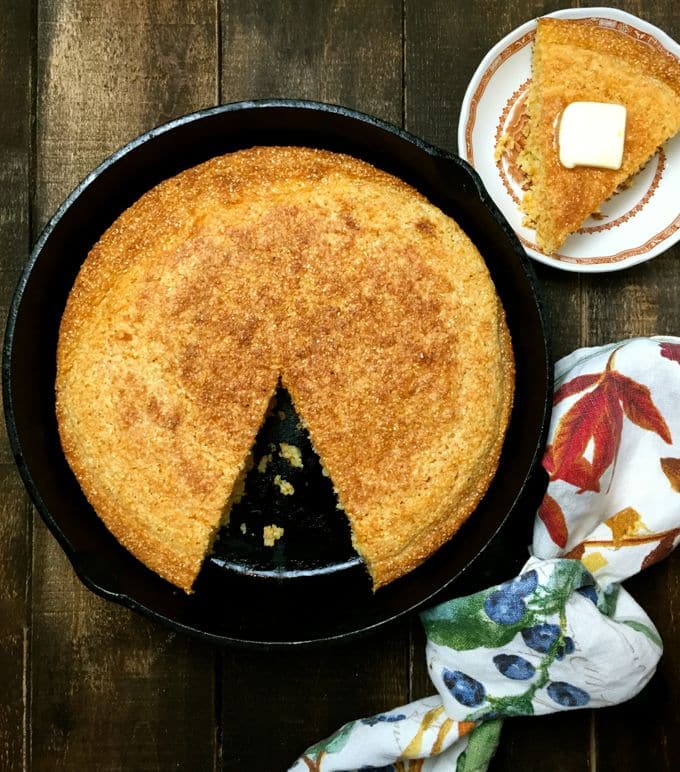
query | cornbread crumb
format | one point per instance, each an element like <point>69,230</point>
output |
<point>271,534</point>
<point>284,486</point>
<point>262,466</point>
<point>505,143</point>
<point>243,528</point>
<point>239,489</point>
<point>292,454</point>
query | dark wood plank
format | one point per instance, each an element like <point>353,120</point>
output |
<point>638,301</point>
<point>15,514</point>
<point>110,690</point>
<point>107,72</point>
<point>15,535</point>
<point>16,68</point>
<point>276,704</point>
<point>349,52</point>
<point>343,51</point>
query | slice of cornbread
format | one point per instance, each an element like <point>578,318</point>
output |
<point>583,61</point>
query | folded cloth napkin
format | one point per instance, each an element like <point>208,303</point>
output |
<point>563,634</point>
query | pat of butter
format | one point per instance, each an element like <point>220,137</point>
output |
<point>592,134</point>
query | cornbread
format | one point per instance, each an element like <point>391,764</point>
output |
<point>294,266</point>
<point>271,534</point>
<point>292,454</point>
<point>264,462</point>
<point>284,486</point>
<point>581,61</point>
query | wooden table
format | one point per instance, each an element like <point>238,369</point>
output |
<point>86,685</point>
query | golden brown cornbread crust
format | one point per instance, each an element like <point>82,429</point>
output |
<point>371,305</point>
<point>578,60</point>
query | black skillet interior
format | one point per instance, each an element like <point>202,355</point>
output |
<point>310,587</point>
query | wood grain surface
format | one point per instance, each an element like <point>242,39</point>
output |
<point>87,685</point>
<point>16,72</point>
<point>109,690</point>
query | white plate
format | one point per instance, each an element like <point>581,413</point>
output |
<point>638,224</point>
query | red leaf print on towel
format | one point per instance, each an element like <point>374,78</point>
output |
<point>639,408</point>
<point>552,516</point>
<point>597,417</point>
<point>575,385</point>
<point>671,351</point>
<point>577,552</point>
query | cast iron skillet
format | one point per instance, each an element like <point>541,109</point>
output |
<point>310,587</point>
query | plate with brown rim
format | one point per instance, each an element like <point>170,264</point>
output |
<point>635,224</point>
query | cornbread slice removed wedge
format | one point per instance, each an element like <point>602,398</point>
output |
<point>371,306</point>
<point>578,60</point>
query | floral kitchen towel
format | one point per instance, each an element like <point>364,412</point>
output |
<point>613,501</point>
<point>563,634</point>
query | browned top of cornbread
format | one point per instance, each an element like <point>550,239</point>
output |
<point>578,60</point>
<point>371,305</point>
